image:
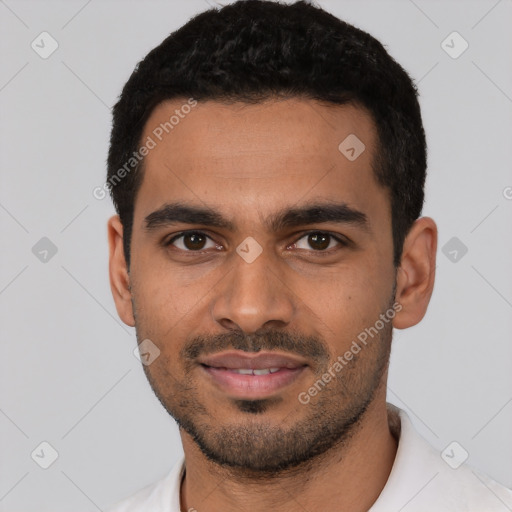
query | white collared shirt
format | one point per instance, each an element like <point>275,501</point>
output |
<point>420,481</point>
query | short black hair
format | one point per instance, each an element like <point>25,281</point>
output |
<point>256,50</point>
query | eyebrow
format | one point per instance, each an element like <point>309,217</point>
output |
<point>317,213</point>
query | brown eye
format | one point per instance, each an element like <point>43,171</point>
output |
<point>194,241</point>
<point>319,241</point>
<point>191,241</point>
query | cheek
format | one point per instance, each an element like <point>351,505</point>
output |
<point>346,302</point>
<point>168,313</point>
<point>164,293</point>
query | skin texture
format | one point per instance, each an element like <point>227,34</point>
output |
<point>248,162</point>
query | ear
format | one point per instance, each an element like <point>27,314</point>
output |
<point>118,272</point>
<point>416,274</point>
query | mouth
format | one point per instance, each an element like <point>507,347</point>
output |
<point>252,376</point>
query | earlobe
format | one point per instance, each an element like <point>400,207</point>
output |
<point>416,274</point>
<point>118,272</point>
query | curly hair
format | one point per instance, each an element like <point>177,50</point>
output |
<point>255,50</point>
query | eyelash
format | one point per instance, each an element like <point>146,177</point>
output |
<point>343,242</point>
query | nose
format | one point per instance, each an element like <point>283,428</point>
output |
<point>253,296</point>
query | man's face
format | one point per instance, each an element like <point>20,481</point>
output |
<point>276,294</point>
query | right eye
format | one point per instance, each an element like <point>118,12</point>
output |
<point>191,241</point>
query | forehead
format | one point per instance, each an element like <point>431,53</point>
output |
<point>232,156</point>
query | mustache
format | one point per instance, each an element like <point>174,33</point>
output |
<point>309,347</point>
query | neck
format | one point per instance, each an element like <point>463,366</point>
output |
<point>351,475</point>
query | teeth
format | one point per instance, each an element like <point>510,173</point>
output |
<point>244,371</point>
<point>264,371</point>
<point>249,371</point>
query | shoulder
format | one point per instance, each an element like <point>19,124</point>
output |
<point>422,479</point>
<point>136,502</point>
<point>161,496</point>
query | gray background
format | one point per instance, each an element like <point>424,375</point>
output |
<point>68,374</point>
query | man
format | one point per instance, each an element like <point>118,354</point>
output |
<point>267,163</point>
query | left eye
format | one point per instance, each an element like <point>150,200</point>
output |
<point>318,241</point>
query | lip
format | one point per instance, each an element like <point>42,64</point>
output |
<point>235,359</point>
<point>221,369</point>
